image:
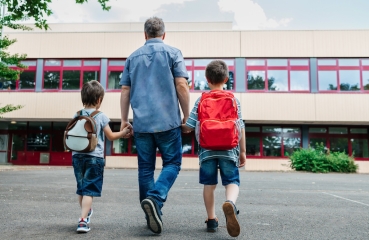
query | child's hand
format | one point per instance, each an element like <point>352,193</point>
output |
<point>127,131</point>
<point>242,159</point>
<point>186,129</point>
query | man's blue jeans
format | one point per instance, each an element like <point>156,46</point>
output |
<point>169,144</point>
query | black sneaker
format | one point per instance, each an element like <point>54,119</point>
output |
<point>153,217</point>
<point>231,212</point>
<point>212,225</point>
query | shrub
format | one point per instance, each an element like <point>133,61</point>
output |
<point>319,159</point>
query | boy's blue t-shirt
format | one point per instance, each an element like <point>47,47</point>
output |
<point>205,154</point>
<point>101,121</point>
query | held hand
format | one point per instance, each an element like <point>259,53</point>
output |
<point>186,129</point>
<point>127,128</point>
<point>184,120</point>
<point>242,160</point>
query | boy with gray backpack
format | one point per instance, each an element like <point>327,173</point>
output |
<point>84,136</point>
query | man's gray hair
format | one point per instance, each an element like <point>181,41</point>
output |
<point>154,27</point>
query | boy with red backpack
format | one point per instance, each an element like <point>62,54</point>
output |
<point>216,118</point>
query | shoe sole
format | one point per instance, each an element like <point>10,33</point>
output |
<point>83,230</point>
<point>233,227</point>
<point>154,222</point>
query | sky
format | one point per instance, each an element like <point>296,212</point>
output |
<point>244,14</point>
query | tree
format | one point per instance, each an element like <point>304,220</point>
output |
<point>17,10</point>
<point>258,83</point>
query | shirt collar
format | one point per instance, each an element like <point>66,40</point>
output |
<point>153,40</point>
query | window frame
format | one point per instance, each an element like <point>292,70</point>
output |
<point>30,68</point>
<point>337,69</point>
<point>193,68</point>
<point>287,68</point>
<point>82,68</point>
<point>327,136</point>
<point>115,69</point>
<point>262,134</point>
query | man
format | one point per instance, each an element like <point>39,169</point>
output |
<point>154,80</point>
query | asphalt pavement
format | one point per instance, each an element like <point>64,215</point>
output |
<point>40,203</point>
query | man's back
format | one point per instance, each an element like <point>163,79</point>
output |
<point>150,72</point>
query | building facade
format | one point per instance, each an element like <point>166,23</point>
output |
<point>296,88</point>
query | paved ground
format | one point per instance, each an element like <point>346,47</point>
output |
<point>40,203</point>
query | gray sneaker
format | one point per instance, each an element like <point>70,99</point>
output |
<point>230,213</point>
<point>153,217</point>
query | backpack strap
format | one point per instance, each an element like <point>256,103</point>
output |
<point>95,113</point>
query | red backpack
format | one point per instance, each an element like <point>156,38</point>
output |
<point>218,125</point>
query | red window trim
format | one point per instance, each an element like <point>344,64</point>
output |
<point>347,135</point>
<point>283,135</point>
<point>115,69</point>
<point>337,68</point>
<point>193,68</point>
<point>288,68</point>
<point>29,69</point>
<point>62,68</point>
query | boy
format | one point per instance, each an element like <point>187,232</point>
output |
<point>228,161</point>
<point>89,167</point>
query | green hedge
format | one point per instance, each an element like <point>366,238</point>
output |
<point>319,160</point>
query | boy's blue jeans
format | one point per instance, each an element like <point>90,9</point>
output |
<point>169,144</point>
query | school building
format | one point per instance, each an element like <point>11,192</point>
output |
<point>297,88</point>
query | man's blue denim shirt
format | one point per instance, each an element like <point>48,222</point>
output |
<point>150,72</point>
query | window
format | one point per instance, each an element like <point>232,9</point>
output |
<point>38,142</point>
<point>351,140</point>
<point>115,70</point>
<point>278,75</point>
<point>196,72</point>
<point>69,74</point>
<point>343,75</point>
<point>26,80</point>
<point>124,146</point>
<point>272,141</point>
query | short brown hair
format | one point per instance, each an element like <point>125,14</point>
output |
<point>216,71</point>
<point>91,92</point>
<point>154,27</point>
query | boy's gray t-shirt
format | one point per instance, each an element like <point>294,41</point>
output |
<point>101,121</point>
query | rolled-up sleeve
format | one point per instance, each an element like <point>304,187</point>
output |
<point>125,79</point>
<point>179,66</point>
